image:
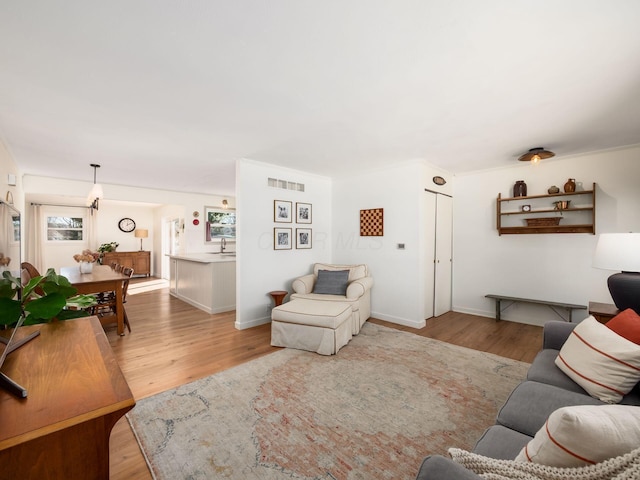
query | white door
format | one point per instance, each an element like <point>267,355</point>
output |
<point>170,243</point>
<point>430,252</point>
<point>443,254</point>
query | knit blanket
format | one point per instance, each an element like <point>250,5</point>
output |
<point>625,467</point>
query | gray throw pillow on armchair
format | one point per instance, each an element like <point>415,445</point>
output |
<point>332,282</point>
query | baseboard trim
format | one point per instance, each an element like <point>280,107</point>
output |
<point>253,323</point>
<point>400,321</point>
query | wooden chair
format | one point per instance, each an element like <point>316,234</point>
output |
<point>107,300</point>
<point>27,272</point>
<point>31,270</point>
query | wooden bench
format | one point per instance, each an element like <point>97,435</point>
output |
<point>568,307</point>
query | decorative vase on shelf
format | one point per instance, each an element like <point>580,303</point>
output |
<point>553,190</point>
<point>520,189</point>
<point>86,267</point>
<point>570,186</point>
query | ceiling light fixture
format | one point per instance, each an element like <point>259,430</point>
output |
<point>96,192</point>
<point>534,155</point>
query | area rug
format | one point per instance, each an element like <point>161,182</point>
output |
<point>373,411</point>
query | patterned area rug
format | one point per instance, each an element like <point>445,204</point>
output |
<point>373,411</point>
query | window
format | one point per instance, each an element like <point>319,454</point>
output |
<point>15,221</point>
<point>221,223</point>
<point>65,229</point>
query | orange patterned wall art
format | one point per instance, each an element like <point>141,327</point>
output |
<point>372,222</point>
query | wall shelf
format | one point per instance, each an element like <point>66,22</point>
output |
<point>578,219</point>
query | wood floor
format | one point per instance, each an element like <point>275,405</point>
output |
<point>173,343</point>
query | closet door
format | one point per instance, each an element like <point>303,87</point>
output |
<point>430,252</point>
<point>443,254</point>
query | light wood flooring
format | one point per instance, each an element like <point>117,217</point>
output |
<point>173,343</point>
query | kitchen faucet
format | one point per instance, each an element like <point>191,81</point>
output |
<point>223,244</point>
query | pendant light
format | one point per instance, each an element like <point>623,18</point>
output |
<point>96,192</point>
<point>534,155</point>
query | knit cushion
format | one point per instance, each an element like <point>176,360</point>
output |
<point>627,325</point>
<point>602,362</point>
<point>584,435</point>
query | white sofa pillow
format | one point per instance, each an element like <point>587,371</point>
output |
<point>584,435</point>
<point>602,362</point>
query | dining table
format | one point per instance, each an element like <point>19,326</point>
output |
<point>102,278</point>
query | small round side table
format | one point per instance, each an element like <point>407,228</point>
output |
<point>278,296</point>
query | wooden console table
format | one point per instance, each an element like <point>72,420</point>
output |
<point>603,312</point>
<point>76,393</point>
<point>140,261</point>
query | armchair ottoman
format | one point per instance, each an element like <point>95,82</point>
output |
<point>311,325</point>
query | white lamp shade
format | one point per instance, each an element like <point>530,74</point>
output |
<point>96,192</point>
<point>618,251</point>
<point>141,233</point>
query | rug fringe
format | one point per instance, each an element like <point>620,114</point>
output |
<point>144,454</point>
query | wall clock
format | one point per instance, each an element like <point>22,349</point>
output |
<point>127,225</point>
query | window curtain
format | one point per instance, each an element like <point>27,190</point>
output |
<point>35,237</point>
<point>91,229</point>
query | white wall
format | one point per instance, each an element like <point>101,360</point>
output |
<point>548,266</point>
<point>400,276</point>
<point>11,195</point>
<point>260,268</point>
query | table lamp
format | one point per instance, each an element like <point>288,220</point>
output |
<point>621,251</point>
<point>141,233</point>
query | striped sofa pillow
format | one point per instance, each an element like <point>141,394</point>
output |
<point>584,435</point>
<point>602,362</point>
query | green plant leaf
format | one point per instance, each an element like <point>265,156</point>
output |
<point>10,311</point>
<point>81,301</point>
<point>46,307</point>
<point>71,314</point>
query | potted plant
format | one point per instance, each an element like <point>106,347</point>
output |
<point>41,300</point>
<point>106,247</point>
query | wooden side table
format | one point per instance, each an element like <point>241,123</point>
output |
<point>603,312</point>
<point>278,296</point>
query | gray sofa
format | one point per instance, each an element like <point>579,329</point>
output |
<point>545,389</point>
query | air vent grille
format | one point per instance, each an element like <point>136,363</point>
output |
<point>285,184</point>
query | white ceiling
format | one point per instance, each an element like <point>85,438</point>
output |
<point>169,94</point>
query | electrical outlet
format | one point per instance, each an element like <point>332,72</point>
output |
<point>268,308</point>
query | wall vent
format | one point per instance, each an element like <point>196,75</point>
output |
<point>285,184</point>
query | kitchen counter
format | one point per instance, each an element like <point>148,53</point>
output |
<point>205,257</point>
<point>205,280</point>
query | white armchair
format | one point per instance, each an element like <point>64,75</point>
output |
<point>358,292</point>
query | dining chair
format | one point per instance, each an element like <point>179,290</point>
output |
<point>31,270</point>
<point>27,272</point>
<point>106,301</point>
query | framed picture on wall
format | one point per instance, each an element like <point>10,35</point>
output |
<point>282,238</point>
<point>303,212</point>
<point>303,238</point>
<point>282,211</point>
